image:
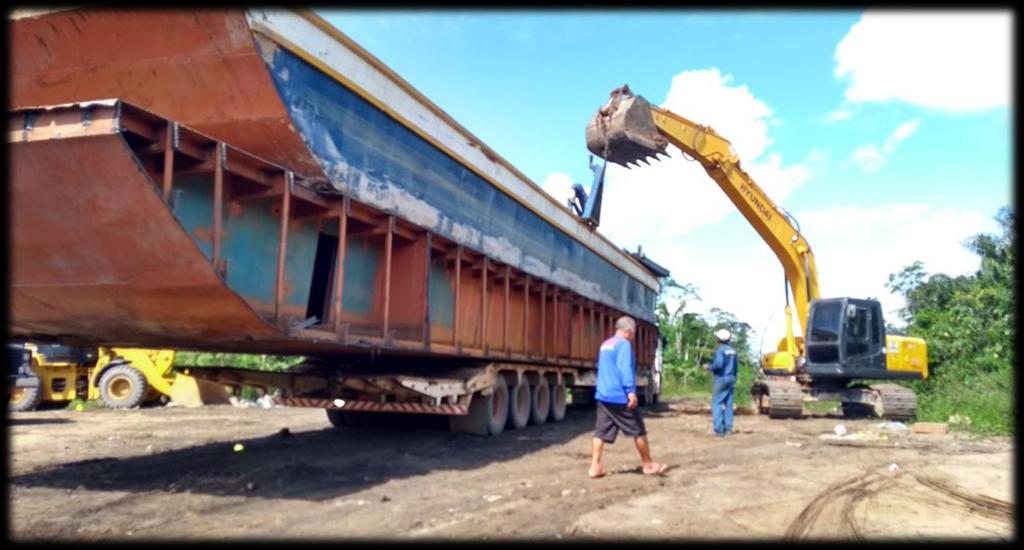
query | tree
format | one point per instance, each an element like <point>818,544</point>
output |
<point>967,322</point>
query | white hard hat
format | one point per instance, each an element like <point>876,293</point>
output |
<point>723,334</point>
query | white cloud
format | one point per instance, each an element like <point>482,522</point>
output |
<point>855,250</point>
<point>953,61</point>
<point>559,186</point>
<point>840,115</point>
<point>671,197</point>
<point>871,157</point>
<point>902,132</point>
<point>868,157</point>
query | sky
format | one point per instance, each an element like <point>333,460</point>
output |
<point>886,134</point>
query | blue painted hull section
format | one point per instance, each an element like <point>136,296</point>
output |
<point>374,159</point>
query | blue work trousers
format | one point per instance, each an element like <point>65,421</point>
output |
<point>721,403</point>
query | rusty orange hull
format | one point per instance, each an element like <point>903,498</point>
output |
<point>199,68</point>
<point>247,196</point>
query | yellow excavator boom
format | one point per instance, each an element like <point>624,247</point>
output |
<point>628,129</point>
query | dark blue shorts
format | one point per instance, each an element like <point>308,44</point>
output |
<point>612,417</point>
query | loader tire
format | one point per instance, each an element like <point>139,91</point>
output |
<point>123,387</point>
<point>25,399</point>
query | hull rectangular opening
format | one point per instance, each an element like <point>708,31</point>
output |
<point>322,279</point>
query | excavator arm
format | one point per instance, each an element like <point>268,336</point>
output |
<point>628,130</point>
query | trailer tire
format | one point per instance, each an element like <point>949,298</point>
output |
<point>558,402</point>
<point>583,397</point>
<point>646,396</point>
<point>487,413</point>
<point>518,406</point>
<point>540,402</point>
<point>25,399</point>
<point>123,387</point>
<point>348,419</point>
<point>336,418</point>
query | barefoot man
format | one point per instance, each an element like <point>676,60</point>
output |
<point>616,399</point>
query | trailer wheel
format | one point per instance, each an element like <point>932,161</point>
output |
<point>558,403</point>
<point>487,413</point>
<point>582,396</point>
<point>540,402</point>
<point>25,399</point>
<point>123,387</point>
<point>335,417</point>
<point>519,406</point>
<point>347,419</point>
<point>646,397</point>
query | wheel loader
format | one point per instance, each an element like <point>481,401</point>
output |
<point>120,378</point>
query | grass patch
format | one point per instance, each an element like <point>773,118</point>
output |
<point>822,406</point>
<point>689,383</point>
<point>986,399</point>
<point>74,405</point>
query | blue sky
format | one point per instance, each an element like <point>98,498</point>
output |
<point>898,156</point>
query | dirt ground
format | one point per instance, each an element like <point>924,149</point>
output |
<point>172,473</point>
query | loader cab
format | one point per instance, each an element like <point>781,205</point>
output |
<point>845,339</point>
<point>62,354</point>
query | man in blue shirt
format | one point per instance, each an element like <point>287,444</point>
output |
<point>724,368</point>
<point>616,399</point>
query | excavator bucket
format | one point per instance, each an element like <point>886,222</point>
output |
<point>623,130</point>
<point>188,391</point>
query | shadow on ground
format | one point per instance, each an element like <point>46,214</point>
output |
<point>315,465</point>
<point>37,421</point>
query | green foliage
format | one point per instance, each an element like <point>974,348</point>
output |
<point>968,323</point>
<point>240,360</point>
<point>691,383</point>
<point>689,337</point>
<point>81,404</point>
<point>690,343</point>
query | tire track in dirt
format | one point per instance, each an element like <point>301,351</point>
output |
<point>849,494</point>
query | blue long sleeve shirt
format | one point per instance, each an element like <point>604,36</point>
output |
<point>615,376</point>
<point>725,362</point>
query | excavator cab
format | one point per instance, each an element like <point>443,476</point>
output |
<point>845,339</point>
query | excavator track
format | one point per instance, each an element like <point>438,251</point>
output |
<point>779,398</point>
<point>894,401</point>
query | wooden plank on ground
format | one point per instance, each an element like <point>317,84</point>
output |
<point>931,427</point>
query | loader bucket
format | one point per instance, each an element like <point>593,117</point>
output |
<point>188,391</point>
<point>623,131</point>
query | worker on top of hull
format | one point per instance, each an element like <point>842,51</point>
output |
<point>578,202</point>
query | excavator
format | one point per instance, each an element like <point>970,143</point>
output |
<point>844,344</point>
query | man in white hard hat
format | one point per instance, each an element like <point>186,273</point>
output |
<point>723,367</point>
